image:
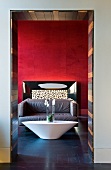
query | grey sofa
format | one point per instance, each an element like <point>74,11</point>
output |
<point>35,110</point>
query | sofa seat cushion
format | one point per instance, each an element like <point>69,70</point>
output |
<point>42,116</point>
<point>32,117</point>
<point>65,117</point>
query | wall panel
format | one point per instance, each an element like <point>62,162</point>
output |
<point>14,90</point>
<point>54,51</point>
<point>90,85</point>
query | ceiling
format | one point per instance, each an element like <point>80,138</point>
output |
<point>50,15</point>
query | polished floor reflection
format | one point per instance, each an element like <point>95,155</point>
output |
<point>68,152</point>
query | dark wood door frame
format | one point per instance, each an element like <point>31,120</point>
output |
<point>14,85</point>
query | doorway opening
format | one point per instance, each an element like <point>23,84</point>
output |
<point>55,16</point>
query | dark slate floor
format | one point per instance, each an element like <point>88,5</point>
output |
<point>67,153</point>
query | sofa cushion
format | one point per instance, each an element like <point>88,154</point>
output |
<point>33,117</point>
<point>35,106</point>
<point>62,106</point>
<point>42,116</point>
<point>65,117</point>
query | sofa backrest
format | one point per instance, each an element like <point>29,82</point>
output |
<point>36,106</point>
<point>62,106</point>
<point>29,106</point>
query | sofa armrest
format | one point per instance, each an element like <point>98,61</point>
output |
<point>73,108</point>
<point>22,108</point>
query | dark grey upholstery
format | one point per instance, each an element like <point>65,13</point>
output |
<point>34,110</point>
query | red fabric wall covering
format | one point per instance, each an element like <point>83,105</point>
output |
<point>54,50</point>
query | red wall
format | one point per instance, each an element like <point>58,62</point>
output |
<point>54,50</point>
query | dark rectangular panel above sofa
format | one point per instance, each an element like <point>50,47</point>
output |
<point>70,86</point>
